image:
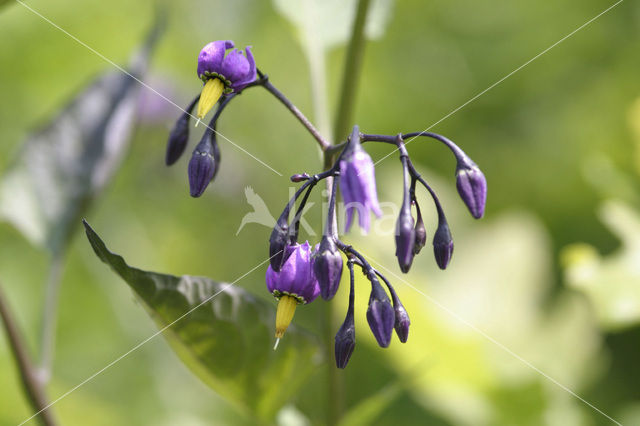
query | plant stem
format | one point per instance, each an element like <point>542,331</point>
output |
<point>324,144</point>
<point>32,387</point>
<point>49,317</point>
<point>352,66</point>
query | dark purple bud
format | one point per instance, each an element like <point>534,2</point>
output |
<point>177,140</point>
<point>402,321</point>
<point>345,341</point>
<point>299,177</point>
<point>442,244</point>
<point>421,232</point>
<point>327,267</point>
<point>278,242</point>
<point>203,165</point>
<point>179,135</point>
<point>472,187</point>
<point>380,314</point>
<point>405,238</point>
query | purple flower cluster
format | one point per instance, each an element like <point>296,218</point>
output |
<point>224,75</point>
<point>298,273</point>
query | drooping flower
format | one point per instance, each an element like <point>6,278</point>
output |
<point>358,185</point>
<point>223,74</point>
<point>203,165</point>
<point>327,267</point>
<point>443,244</point>
<point>345,341</point>
<point>421,232</point>
<point>179,136</point>
<point>295,284</point>
<point>380,313</point>
<point>472,187</point>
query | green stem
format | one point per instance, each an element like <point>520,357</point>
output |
<point>353,62</point>
<point>32,386</point>
<point>352,66</point>
<point>49,317</point>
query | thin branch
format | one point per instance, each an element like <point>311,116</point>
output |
<point>264,82</point>
<point>32,387</point>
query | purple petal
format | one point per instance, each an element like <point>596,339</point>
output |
<point>211,56</point>
<point>250,76</point>
<point>234,66</point>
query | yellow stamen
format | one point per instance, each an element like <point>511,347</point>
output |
<point>284,314</point>
<point>211,92</point>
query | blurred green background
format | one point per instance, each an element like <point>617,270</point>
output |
<point>550,278</point>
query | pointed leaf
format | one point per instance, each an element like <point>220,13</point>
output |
<point>226,338</point>
<point>61,167</point>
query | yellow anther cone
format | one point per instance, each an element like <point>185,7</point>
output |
<point>211,92</point>
<point>284,315</point>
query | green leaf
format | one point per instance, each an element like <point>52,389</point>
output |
<point>226,336</point>
<point>368,410</point>
<point>610,282</point>
<point>62,167</point>
<point>327,23</point>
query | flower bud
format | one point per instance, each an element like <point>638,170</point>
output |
<point>345,340</point>
<point>203,165</point>
<point>421,232</point>
<point>442,244</point>
<point>380,313</point>
<point>278,242</point>
<point>299,177</point>
<point>177,139</point>
<point>402,321</point>
<point>472,187</point>
<point>327,267</point>
<point>405,238</point>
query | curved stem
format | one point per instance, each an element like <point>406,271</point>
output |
<point>264,82</point>
<point>352,66</point>
<point>28,375</point>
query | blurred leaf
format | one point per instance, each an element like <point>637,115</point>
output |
<point>327,23</point>
<point>227,342</point>
<point>369,409</point>
<point>610,282</point>
<point>62,167</point>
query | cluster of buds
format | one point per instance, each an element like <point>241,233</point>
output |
<point>298,273</point>
<point>353,173</point>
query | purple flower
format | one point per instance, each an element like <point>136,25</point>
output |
<point>296,276</point>
<point>295,284</point>
<point>472,187</point>
<point>327,267</point>
<point>380,314</point>
<point>223,74</point>
<point>358,185</point>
